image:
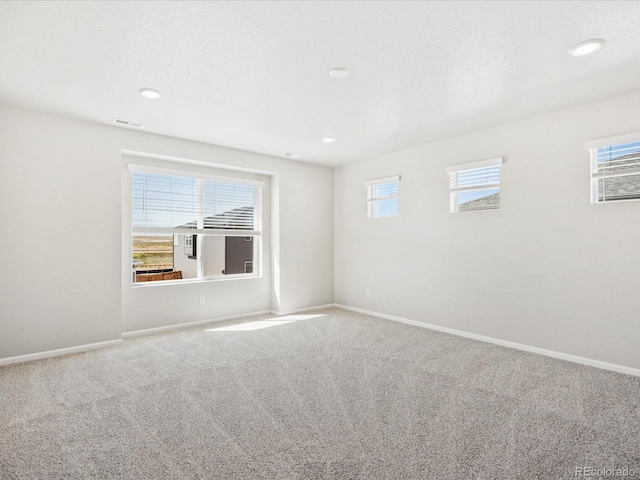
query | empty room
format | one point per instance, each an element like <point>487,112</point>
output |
<point>319,240</point>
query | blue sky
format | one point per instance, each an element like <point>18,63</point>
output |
<point>608,153</point>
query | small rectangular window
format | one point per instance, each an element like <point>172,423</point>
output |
<point>475,186</point>
<point>382,197</point>
<point>615,172</point>
<point>190,248</point>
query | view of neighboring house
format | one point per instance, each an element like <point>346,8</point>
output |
<point>489,202</point>
<point>620,179</point>
<point>222,255</point>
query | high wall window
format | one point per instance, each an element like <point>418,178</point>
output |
<point>382,197</point>
<point>615,170</point>
<point>188,226</point>
<point>475,186</point>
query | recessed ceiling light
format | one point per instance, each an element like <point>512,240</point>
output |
<point>586,48</point>
<point>292,155</point>
<point>150,93</point>
<point>338,72</point>
<point>328,139</point>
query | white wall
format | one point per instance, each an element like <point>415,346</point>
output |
<point>62,278</point>
<point>547,270</point>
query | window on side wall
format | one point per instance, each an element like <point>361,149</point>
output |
<point>475,186</point>
<point>615,168</point>
<point>190,226</point>
<point>382,197</point>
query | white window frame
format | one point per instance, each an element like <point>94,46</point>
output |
<point>455,189</point>
<point>199,232</point>
<point>372,198</point>
<point>603,174</point>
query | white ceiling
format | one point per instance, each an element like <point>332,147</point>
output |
<point>254,75</point>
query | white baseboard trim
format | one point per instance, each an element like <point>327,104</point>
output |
<point>167,328</point>
<point>149,331</point>
<point>280,313</point>
<point>55,353</point>
<point>177,326</point>
<point>518,346</point>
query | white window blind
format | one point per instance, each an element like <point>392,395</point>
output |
<point>382,197</point>
<point>615,171</point>
<point>175,204</point>
<point>475,186</point>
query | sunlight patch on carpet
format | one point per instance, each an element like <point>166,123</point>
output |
<point>260,324</point>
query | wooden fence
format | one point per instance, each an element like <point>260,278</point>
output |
<point>155,277</point>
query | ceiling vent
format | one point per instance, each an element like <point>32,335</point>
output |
<point>125,123</point>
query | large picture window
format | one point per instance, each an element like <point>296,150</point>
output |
<point>193,227</point>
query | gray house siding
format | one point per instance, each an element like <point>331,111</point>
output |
<point>237,252</point>
<point>213,252</point>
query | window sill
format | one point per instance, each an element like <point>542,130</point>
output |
<point>194,280</point>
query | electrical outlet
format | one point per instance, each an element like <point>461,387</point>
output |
<point>367,292</point>
<point>201,300</point>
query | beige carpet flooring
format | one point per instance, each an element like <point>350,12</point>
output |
<point>328,394</point>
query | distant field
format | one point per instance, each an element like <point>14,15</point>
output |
<point>154,252</point>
